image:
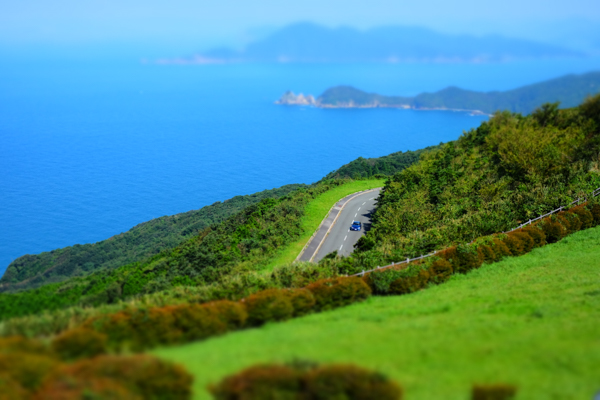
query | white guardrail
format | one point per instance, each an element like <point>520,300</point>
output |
<point>595,193</point>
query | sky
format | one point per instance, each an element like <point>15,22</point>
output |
<point>186,25</point>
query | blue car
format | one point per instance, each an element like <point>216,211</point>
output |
<point>356,225</point>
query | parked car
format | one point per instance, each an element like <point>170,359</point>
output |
<point>356,225</point>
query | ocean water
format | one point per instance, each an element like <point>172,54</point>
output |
<point>88,150</point>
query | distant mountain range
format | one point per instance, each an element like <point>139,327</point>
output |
<point>309,43</point>
<point>569,90</point>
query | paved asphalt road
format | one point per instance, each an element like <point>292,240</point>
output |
<point>341,238</point>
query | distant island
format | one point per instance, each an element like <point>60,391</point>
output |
<point>311,43</point>
<point>569,90</point>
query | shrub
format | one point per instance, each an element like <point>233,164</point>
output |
<point>11,389</point>
<point>26,369</point>
<point>302,300</point>
<point>570,220</point>
<point>71,388</point>
<point>268,305</point>
<point>117,327</point>
<point>20,344</point>
<point>196,321</point>
<point>500,249</point>
<point>586,217</point>
<point>263,382</point>
<point>337,292</point>
<point>79,343</point>
<point>440,270</point>
<point>486,253</point>
<point>526,241</point>
<point>349,382</point>
<point>594,209</point>
<point>514,244</point>
<point>538,236</point>
<point>463,258</point>
<point>493,392</point>
<point>380,280</point>
<point>409,284</point>
<point>232,313</point>
<point>306,382</point>
<point>553,230</point>
<point>146,377</point>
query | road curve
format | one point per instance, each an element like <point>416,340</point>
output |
<point>338,236</point>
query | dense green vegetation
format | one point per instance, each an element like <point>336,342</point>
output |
<point>569,90</point>
<point>532,319</point>
<point>140,242</point>
<point>510,169</point>
<point>314,213</point>
<point>244,242</point>
<point>380,166</point>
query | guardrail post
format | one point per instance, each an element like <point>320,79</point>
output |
<point>407,260</point>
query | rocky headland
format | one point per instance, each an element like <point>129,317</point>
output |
<point>568,90</point>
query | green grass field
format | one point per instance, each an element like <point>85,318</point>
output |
<point>316,211</point>
<point>533,321</point>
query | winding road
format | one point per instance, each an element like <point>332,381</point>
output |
<point>335,234</point>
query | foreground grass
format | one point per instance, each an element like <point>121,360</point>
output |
<point>532,321</point>
<point>316,211</point>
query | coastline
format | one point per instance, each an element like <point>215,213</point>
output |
<point>318,104</point>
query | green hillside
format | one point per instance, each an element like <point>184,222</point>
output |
<point>508,170</point>
<point>140,242</point>
<point>242,244</point>
<point>529,321</point>
<point>568,90</point>
<point>384,166</point>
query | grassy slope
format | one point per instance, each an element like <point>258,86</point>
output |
<point>315,212</point>
<point>531,321</point>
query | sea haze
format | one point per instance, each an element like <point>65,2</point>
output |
<point>90,150</point>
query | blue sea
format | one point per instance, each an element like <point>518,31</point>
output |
<point>90,149</point>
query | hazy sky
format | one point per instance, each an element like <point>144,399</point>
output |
<point>193,25</point>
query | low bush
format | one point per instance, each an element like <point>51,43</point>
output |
<point>486,253</point>
<point>525,240</point>
<point>337,292</point>
<point>232,313</point>
<point>594,209</point>
<point>493,392</point>
<point>584,215</point>
<point>303,301</point>
<point>380,280</point>
<point>26,369</point>
<point>74,388</point>
<point>194,322</point>
<point>570,221</point>
<point>79,343</point>
<point>514,244</point>
<point>349,382</point>
<point>261,382</point>
<point>537,234</point>
<point>302,382</point>
<point>500,249</point>
<point>440,270</point>
<point>20,344</point>
<point>11,389</point>
<point>553,229</point>
<point>463,258</point>
<point>416,279</point>
<point>146,377</point>
<point>268,305</point>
